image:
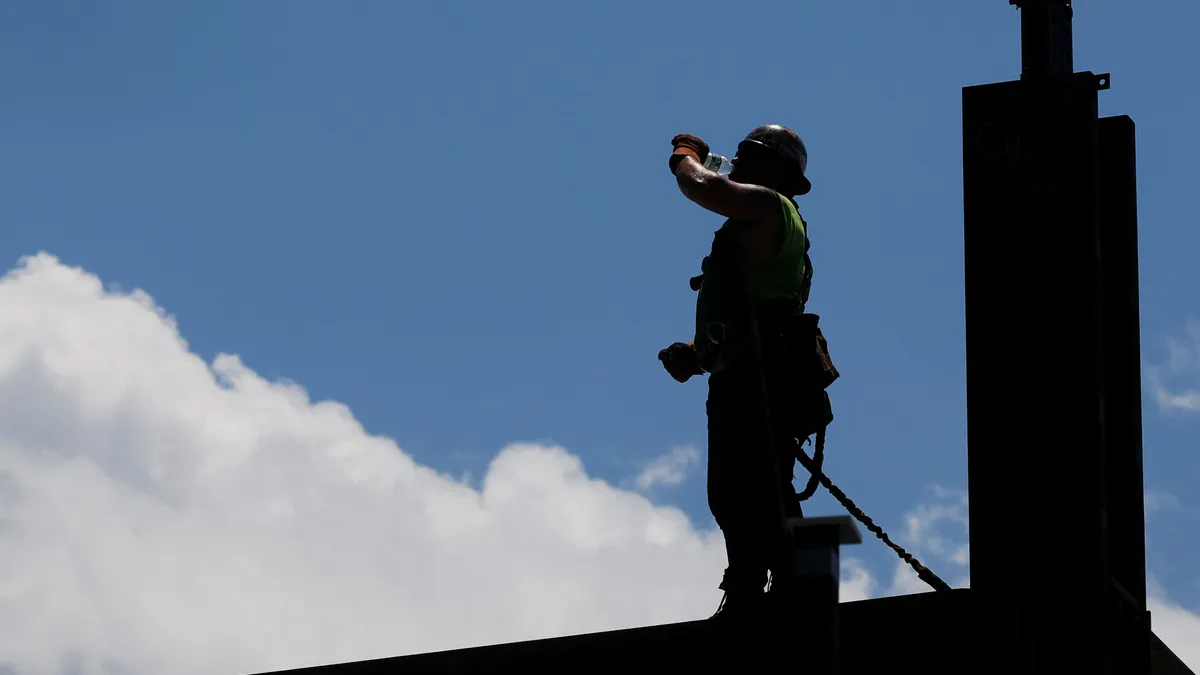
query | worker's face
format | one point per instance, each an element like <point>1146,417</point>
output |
<point>755,165</point>
<point>743,170</point>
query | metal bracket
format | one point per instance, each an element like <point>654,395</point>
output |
<point>1019,4</point>
<point>1103,81</point>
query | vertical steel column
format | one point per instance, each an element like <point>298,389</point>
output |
<point>1036,413</point>
<point>1123,395</point>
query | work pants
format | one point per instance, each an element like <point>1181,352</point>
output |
<point>740,491</point>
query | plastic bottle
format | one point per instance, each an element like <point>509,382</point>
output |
<point>715,162</point>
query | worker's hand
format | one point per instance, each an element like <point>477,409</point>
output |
<point>687,145</point>
<point>680,361</point>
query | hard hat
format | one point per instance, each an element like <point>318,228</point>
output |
<point>787,144</point>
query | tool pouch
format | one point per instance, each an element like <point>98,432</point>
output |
<point>808,351</point>
<point>802,356</point>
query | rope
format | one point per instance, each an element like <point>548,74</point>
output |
<point>923,572</point>
<point>818,459</point>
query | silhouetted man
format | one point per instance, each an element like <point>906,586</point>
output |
<point>758,270</point>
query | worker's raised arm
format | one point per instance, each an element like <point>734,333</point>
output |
<point>715,192</point>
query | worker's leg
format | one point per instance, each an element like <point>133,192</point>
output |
<point>783,418</point>
<point>739,488</point>
<point>784,410</point>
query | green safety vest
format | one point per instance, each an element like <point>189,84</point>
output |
<point>785,280</point>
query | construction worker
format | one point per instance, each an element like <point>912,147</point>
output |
<point>758,270</point>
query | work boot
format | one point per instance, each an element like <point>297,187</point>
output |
<point>740,604</point>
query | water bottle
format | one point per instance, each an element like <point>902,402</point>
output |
<point>715,162</point>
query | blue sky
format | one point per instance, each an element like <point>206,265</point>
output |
<point>457,220</point>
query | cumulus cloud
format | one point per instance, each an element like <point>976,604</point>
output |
<point>857,582</point>
<point>1176,626</point>
<point>668,469</point>
<point>161,514</point>
<point>936,533</point>
<point>1156,500</point>
<point>1175,380</point>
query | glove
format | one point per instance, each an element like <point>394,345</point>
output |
<point>680,361</point>
<point>687,145</point>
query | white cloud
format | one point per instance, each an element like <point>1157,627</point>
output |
<point>668,469</point>
<point>926,526</point>
<point>1176,626</point>
<point>1188,400</point>
<point>857,582</point>
<point>936,533</point>
<point>1155,501</point>
<point>1182,364</point>
<point>159,514</point>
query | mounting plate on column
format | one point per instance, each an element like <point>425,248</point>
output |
<point>846,529</point>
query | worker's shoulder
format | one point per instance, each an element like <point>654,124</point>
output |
<point>790,208</point>
<point>790,213</point>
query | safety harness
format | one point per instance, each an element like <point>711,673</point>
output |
<point>790,343</point>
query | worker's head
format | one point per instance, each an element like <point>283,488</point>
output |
<point>772,156</point>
